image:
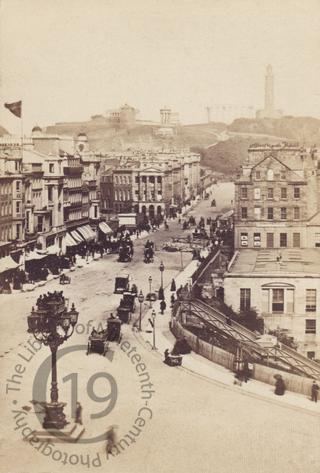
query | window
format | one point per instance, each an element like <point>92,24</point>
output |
<point>257,193</point>
<point>244,239</point>
<point>244,193</point>
<point>283,193</point>
<point>245,299</point>
<point>18,186</point>
<point>296,192</point>
<point>296,240</point>
<point>277,300</point>
<point>270,175</point>
<point>317,240</point>
<point>159,179</point>
<point>311,300</point>
<point>311,326</point>
<point>51,167</point>
<point>137,179</point>
<point>50,194</point>
<point>283,213</point>
<point>244,212</point>
<point>283,175</point>
<point>270,240</point>
<point>270,213</point>
<point>257,240</point>
<point>283,240</point>
<point>296,213</point>
<point>257,213</point>
<point>270,193</point>
<point>258,175</point>
<point>18,207</point>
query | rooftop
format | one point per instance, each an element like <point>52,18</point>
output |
<point>272,262</point>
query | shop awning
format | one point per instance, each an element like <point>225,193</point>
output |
<point>7,263</point>
<point>86,232</point>
<point>77,237</point>
<point>33,255</point>
<point>104,227</point>
<point>69,241</point>
<point>53,250</point>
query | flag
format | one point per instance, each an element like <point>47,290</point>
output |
<point>14,108</point>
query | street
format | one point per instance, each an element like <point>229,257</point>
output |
<point>181,412</point>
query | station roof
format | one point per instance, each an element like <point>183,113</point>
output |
<point>275,262</point>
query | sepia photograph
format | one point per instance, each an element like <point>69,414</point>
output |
<point>159,236</point>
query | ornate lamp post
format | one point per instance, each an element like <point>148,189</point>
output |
<point>140,299</point>
<point>153,315</point>
<point>150,283</point>
<point>51,324</point>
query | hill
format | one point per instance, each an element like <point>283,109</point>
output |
<point>222,147</point>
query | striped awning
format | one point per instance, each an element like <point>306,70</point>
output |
<point>77,237</point>
<point>69,241</point>
<point>104,227</point>
<point>86,232</point>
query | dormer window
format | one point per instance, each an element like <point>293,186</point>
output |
<point>258,175</point>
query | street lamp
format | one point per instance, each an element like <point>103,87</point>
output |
<point>51,324</point>
<point>161,268</point>
<point>153,315</point>
<point>140,299</point>
<point>150,282</point>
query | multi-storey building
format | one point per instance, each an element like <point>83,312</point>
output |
<point>276,198</point>
<point>275,268</point>
<point>154,183</point>
<point>12,197</point>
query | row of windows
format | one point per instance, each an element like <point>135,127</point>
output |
<point>122,179</point>
<point>5,233</point>
<point>278,300</point>
<point>272,213</point>
<point>271,193</point>
<point>270,243</point>
<point>270,175</point>
<point>5,188</point>
<point>5,209</point>
<point>122,195</point>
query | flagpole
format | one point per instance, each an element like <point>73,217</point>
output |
<point>21,132</point>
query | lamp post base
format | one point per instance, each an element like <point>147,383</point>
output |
<point>54,415</point>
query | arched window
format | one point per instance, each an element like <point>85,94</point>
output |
<point>270,175</point>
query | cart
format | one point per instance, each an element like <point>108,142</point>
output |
<point>64,279</point>
<point>173,360</point>
<point>128,300</point>
<point>98,342</point>
<point>124,314</point>
<point>121,284</point>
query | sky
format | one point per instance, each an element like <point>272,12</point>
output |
<point>70,59</point>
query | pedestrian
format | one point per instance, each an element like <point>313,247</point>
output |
<point>173,286</point>
<point>163,306</point>
<point>172,300</point>
<point>314,391</point>
<point>111,439</point>
<point>78,417</point>
<point>280,387</point>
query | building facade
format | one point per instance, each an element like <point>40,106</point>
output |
<point>277,198</point>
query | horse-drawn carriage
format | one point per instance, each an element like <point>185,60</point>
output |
<point>127,307</point>
<point>172,360</point>
<point>99,341</point>
<point>121,284</point>
<point>125,254</point>
<point>148,255</point>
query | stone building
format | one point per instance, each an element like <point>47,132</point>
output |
<point>277,198</point>
<point>284,288</point>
